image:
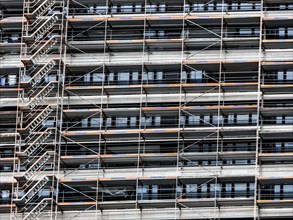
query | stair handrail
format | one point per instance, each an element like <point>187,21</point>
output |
<point>34,142</point>
<point>42,201</point>
<point>40,158</point>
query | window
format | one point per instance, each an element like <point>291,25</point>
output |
<point>251,190</point>
<point>7,168</point>
<point>135,77</point>
<point>2,80</point>
<point>242,119</point>
<point>191,163</point>
<point>159,76</point>
<point>157,121</point>
<point>288,147</point>
<point>148,121</point>
<point>138,8</point>
<point>241,162</point>
<point>182,120</point>
<point>288,120</point>
<point>194,119</point>
<point>198,7</point>
<point>123,78</point>
<point>254,119</point>
<point>289,75</point>
<point>49,123</point>
<point>280,75</point>
<point>109,122</point>
<point>234,6</point>
<point>220,5</point>
<point>228,189</point>
<point>191,190</point>
<point>11,80</point>
<point>210,7</point>
<point>154,192</point>
<point>281,33</point>
<point>142,192</point>
<point>121,121</point>
<point>230,119</point>
<point>114,9</point>
<point>229,162</point>
<point>240,189</point>
<point>204,189</point>
<point>277,191</point>
<point>84,123</point>
<point>183,76</point>
<point>187,8</point>
<point>283,7</point>
<point>95,122</point>
<point>206,120</point>
<point>14,39</point>
<point>278,147</point>
<point>126,8</point>
<point>290,30</point>
<point>93,165</point>
<point>86,77</point>
<point>216,118</point>
<point>98,77</point>
<point>101,10</point>
<point>50,78</point>
<point>279,120</point>
<point>44,192</point>
<point>196,76</point>
<point>132,121</point>
<point>245,6</point>
<point>288,191</point>
<point>150,34</point>
<point>150,76</point>
<point>245,31</point>
<point>162,7</point>
<point>91,10</point>
<point>5,196</point>
<point>179,190</point>
<point>110,78</point>
<point>215,188</point>
<point>151,8</point>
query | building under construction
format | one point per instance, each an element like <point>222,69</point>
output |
<point>146,109</point>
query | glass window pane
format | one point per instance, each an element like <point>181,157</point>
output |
<point>97,77</point>
<point>121,121</point>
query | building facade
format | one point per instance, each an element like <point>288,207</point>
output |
<point>146,109</point>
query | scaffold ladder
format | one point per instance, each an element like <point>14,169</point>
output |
<point>36,144</point>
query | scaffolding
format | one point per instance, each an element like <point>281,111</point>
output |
<point>177,109</point>
<point>37,145</point>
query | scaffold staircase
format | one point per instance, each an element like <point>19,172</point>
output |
<point>36,144</point>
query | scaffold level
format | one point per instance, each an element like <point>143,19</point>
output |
<point>146,109</point>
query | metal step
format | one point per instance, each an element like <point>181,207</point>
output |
<point>42,9</point>
<point>37,77</point>
<point>38,120</point>
<point>26,178</point>
<point>32,3</point>
<point>41,28</point>
<point>29,5</point>
<point>38,165</point>
<point>43,50</point>
<point>39,141</point>
<point>36,211</point>
<point>33,191</point>
<point>38,98</point>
